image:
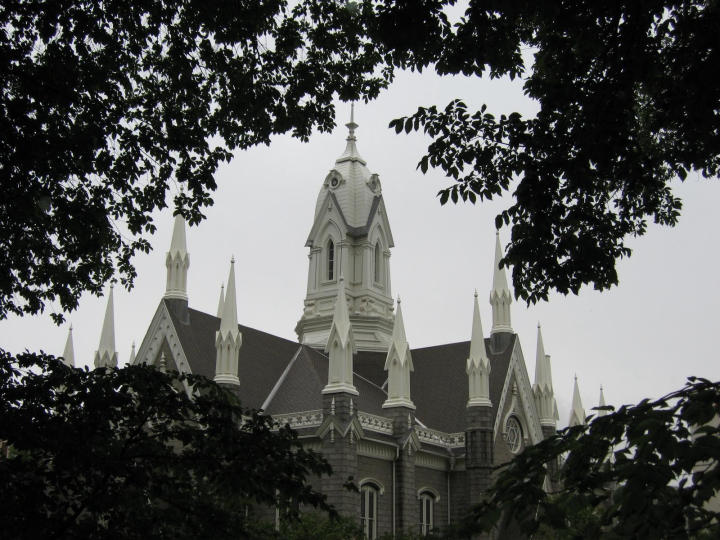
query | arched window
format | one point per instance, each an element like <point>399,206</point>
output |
<point>426,514</point>
<point>368,509</point>
<point>378,262</point>
<point>331,260</point>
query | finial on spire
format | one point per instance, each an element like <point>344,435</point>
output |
<point>351,125</point>
<point>131,361</point>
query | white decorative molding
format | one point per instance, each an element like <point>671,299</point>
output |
<point>432,461</point>
<point>378,424</point>
<point>374,481</point>
<point>439,438</point>
<point>376,449</point>
<point>300,420</point>
<point>432,491</point>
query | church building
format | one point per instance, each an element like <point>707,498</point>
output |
<point>418,430</point>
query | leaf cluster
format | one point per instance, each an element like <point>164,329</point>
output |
<point>108,107</point>
<point>138,453</point>
<point>644,471</point>
<point>623,109</point>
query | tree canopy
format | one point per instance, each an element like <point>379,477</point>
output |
<point>644,471</point>
<point>139,453</point>
<point>107,107</point>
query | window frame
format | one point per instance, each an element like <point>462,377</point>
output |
<point>370,491</point>
<point>426,515</point>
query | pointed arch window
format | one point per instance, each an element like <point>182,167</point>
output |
<point>330,260</point>
<point>378,262</point>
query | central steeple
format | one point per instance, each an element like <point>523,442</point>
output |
<point>351,236</point>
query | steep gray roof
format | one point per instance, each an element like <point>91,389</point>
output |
<point>439,386</point>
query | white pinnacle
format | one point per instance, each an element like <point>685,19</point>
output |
<point>500,296</point>
<point>577,413</point>
<point>543,377</point>
<point>340,347</point>
<point>341,317</point>
<point>178,244</point>
<point>177,262</point>
<point>106,356</point>
<point>221,301</point>
<point>228,338</point>
<point>478,365</point>
<point>69,352</point>
<point>601,402</point>
<point>399,364</point>
<point>131,361</point>
<point>229,320</point>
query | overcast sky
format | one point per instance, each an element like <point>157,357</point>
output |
<point>640,339</point>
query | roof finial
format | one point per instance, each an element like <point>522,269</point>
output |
<point>351,125</point>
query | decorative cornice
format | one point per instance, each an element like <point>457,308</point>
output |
<point>299,420</point>
<point>378,424</point>
<point>439,438</point>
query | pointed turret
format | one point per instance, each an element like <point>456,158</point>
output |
<point>478,364</point>
<point>131,361</point>
<point>340,347</point>
<point>106,356</point>
<point>577,413</point>
<point>228,339</point>
<point>177,262</point>
<point>543,387</point>
<point>601,402</point>
<point>69,352</point>
<point>500,296</point>
<point>221,301</point>
<point>399,364</point>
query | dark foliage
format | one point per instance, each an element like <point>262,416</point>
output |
<point>644,471</point>
<point>624,108</point>
<point>129,453</point>
<point>106,106</point>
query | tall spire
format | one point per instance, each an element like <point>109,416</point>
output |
<point>577,413</point>
<point>177,262</point>
<point>228,339</point>
<point>340,347</point>
<point>399,364</point>
<point>106,356</point>
<point>221,301</point>
<point>601,402</point>
<point>478,364</point>
<point>543,387</point>
<point>69,352</point>
<point>500,296</point>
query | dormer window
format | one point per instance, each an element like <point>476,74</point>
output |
<point>331,260</point>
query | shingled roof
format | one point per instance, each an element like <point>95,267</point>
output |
<point>288,377</point>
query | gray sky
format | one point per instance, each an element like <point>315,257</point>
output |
<point>640,339</point>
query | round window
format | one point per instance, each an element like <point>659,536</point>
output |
<point>513,432</point>
<point>334,182</point>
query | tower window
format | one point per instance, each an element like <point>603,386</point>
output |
<point>427,513</point>
<point>378,262</point>
<point>331,260</point>
<point>368,510</point>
